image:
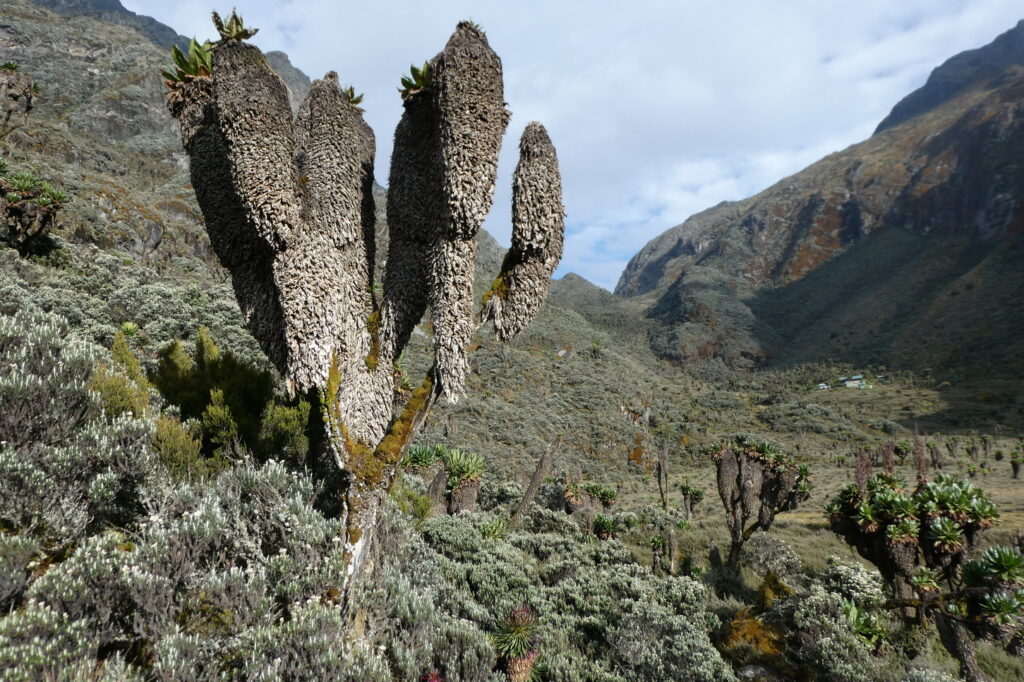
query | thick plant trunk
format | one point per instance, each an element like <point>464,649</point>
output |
<point>958,642</point>
<point>673,551</point>
<point>539,474</point>
<point>735,553</point>
<point>663,477</point>
<point>463,498</point>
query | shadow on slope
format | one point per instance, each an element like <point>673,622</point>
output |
<point>947,305</point>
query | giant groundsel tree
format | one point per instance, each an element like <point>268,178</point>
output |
<point>289,211</point>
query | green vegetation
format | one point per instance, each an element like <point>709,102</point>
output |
<point>232,401</point>
<point>234,29</point>
<point>186,538</point>
<point>462,467</point>
<point>350,94</point>
<point>198,63</point>
<point>29,211</point>
<point>418,79</point>
<point>919,540</point>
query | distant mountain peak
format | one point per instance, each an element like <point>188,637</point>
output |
<point>958,73</point>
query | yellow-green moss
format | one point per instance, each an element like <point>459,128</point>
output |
<point>373,327</point>
<point>772,589</point>
<point>748,639</point>
<point>368,467</point>
<point>331,409</point>
<point>498,288</point>
<point>391,447</point>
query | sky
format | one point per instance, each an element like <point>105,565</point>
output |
<point>658,108</point>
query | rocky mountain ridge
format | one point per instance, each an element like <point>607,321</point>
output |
<point>943,168</point>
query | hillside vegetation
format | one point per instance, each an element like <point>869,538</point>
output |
<point>569,518</point>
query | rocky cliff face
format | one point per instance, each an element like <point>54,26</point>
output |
<point>113,12</point>
<point>944,167</point>
<point>101,127</point>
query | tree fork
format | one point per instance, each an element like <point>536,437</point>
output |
<point>289,209</point>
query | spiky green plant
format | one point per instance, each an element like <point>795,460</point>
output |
<point>600,492</point>
<point>946,534</point>
<point>418,79</point>
<point>494,529</point>
<point>516,633</point>
<point>53,195</point>
<point>605,526</point>
<point>462,467</point>
<point>354,100</point>
<point>9,66</point>
<point>234,29</point>
<point>422,455</point>
<point>895,506</point>
<point>867,516</point>
<point>24,182</point>
<point>999,565</point>
<point>905,530</point>
<point>1002,608</point>
<point>925,580</point>
<point>691,491</point>
<point>197,64</point>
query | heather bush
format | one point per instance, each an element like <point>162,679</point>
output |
<point>826,642</point>
<point>853,582</point>
<point>765,554</point>
<point>65,469</point>
<point>599,614</point>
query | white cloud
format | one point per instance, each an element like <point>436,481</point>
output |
<point>659,109</point>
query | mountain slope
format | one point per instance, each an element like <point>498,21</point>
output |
<point>758,279</point>
<point>113,12</point>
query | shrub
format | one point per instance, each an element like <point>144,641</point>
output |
<point>283,432</point>
<point>118,393</point>
<point>233,400</point>
<point>828,644</point>
<point>64,469</point>
<point>179,448</point>
<point>44,394</point>
<point>229,396</point>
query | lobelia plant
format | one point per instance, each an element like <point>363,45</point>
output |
<point>289,210</point>
<point>516,643</point>
<point>464,471</point>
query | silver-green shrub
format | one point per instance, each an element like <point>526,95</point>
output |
<point>65,469</point>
